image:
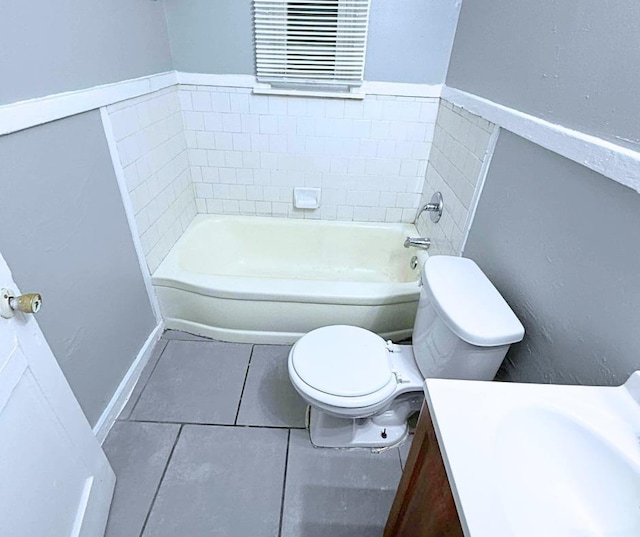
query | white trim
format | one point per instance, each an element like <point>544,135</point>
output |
<point>614,161</point>
<point>124,389</point>
<point>130,213</point>
<point>619,163</point>
<point>400,89</point>
<point>203,79</point>
<point>482,178</point>
<point>25,114</point>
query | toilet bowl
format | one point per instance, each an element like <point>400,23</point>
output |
<point>361,389</point>
<point>347,375</point>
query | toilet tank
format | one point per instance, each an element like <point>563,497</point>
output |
<point>463,326</point>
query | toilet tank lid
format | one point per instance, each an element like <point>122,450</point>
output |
<point>468,303</point>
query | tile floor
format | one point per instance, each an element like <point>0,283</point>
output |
<point>212,443</point>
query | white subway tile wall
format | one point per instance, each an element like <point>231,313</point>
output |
<point>152,150</point>
<point>459,149</point>
<point>247,153</point>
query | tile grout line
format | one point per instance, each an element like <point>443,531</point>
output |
<point>164,473</point>
<point>284,483</point>
<point>135,404</point>
<point>246,376</point>
<point>203,340</point>
<point>274,427</point>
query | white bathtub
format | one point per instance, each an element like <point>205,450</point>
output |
<point>271,280</point>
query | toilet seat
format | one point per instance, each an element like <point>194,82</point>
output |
<point>343,367</point>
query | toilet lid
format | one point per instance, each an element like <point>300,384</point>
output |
<point>342,360</point>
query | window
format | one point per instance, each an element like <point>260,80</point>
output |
<point>311,43</point>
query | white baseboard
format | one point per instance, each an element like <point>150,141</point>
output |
<point>123,392</point>
<point>614,161</point>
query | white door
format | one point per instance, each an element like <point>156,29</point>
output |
<point>55,480</point>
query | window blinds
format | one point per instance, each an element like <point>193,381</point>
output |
<point>311,42</point>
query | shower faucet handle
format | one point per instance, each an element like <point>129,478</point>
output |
<point>435,207</point>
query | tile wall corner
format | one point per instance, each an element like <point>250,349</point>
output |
<point>150,140</point>
<point>461,144</point>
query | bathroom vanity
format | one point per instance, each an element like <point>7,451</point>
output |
<point>424,483</point>
<point>499,459</point>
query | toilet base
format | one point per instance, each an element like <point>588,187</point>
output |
<point>331,432</point>
<point>382,430</point>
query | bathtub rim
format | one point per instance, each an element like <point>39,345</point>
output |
<point>170,274</point>
<point>232,296</point>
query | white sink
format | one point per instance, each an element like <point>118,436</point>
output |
<point>560,477</point>
<point>533,460</point>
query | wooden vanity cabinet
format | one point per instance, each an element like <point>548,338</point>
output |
<point>424,505</point>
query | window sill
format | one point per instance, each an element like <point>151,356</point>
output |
<point>265,90</point>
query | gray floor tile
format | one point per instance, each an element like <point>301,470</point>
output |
<point>269,397</point>
<point>138,453</point>
<point>222,481</point>
<point>142,381</point>
<point>404,450</point>
<point>183,336</point>
<point>337,493</point>
<point>195,382</point>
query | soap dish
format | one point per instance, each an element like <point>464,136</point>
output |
<point>306,198</point>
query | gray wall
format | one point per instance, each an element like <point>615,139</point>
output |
<point>211,36</point>
<point>560,242</point>
<point>573,63</point>
<point>49,47</point>
<point>65,234</point>
<point>409,40</point>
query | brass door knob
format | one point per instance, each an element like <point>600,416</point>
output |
<point>9,303</point>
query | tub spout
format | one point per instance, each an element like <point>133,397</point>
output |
<point>417,242</point>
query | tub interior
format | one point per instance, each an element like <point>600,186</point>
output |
<point>295,249</point>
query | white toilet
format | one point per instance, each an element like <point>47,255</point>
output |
<point>361,388</point>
